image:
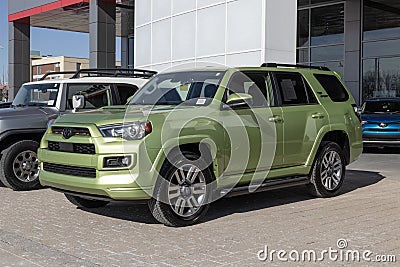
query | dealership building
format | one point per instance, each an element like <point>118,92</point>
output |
<point>360,39</point>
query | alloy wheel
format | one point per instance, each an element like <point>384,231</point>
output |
<point>26,166</point>
<point>187,190</point>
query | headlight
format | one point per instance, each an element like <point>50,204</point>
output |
<point>364,122</point>
<point>128,131</point>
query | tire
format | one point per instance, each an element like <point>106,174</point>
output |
<point>85,203</point>
<point>328,171</point>
<point>19,166</point>
<point>175,202</point>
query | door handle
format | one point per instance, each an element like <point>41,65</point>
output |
<point>317,116</point>
<point>276,119</point>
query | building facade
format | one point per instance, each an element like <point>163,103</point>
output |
<point>357,38</point>
<point>41,66</point>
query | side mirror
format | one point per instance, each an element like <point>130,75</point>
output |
<point>78,102</point>
<point>239,100</point>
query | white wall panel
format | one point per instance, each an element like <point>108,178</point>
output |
<point>142,12</point>
<point>184,36</point>
<point>211,31</point>
<point>161,8</point>
<point>179,6</point>
<point>203,3</point>
<point>244,59</point>
<point>161,41</point>
<point>244,26</point>
<point>143,48</point>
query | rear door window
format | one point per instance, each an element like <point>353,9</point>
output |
<point>294,89</point>
<point>333,87</point>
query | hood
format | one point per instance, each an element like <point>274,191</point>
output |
<point>378,118</point>
<point>25,118</point>
<point>117,114</point>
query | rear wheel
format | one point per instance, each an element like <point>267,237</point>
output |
<point>19,166</point>
<point>85,203</point>
<point>328,171</point>
<point>182,197</point>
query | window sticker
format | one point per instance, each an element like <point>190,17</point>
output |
<point>288,90</point>
<point>50,103</point>
<point>201,101</point>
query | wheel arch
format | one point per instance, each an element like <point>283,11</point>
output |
<point>336,135</point>
<point>11,137</point>
<point>188,144</point>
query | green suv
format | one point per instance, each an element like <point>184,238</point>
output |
<point>189,137</point>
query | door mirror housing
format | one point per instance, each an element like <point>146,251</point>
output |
<point>78,102</point>
<point>239,100</point>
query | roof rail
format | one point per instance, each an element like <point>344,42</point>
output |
<point>51,73</point>
<point>276,65</point>
<point>116,72</point>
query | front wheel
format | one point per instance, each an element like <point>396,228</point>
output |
<point>328,171</point>
<point>19,166</point>
<point>85,203</point>
<point>182,195</point>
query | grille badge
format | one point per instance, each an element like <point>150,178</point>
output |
<point>67,133</point>
<point>383,125</point>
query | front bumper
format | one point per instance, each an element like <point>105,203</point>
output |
<point>131,183</point>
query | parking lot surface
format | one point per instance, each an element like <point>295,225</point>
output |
<point>41,228</point>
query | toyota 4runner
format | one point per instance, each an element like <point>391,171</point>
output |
<point>189,137</point>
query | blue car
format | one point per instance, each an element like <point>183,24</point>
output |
<point>381,122</point>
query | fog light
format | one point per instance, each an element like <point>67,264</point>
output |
<point>117,162</point>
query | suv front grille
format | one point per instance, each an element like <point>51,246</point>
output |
<point>70,170</point>
<point>74,131</point>
<point>72,148</point>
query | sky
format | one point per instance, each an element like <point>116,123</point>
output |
<point>48,42</point>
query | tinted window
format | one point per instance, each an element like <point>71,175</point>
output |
<point>252,83</point>
<point>382,107</point>
<point>293,89</point>
<point>333,87</point>
<point>96,95</point>
<point>125,91</point>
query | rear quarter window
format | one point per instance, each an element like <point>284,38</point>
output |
<point>333,87</point>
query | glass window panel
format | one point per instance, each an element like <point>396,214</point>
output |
<point>303,2</point>
<point>302,55</point>
<point>381,77</point>
<point>325,53</point>
<point>369,81</point>
<point>389,77</point>
<point>319,1</point>
<point>382,48</point>
<point>327,25</point>
<point>332,65</point>
<point>381,19</point>
<point>303,27</point>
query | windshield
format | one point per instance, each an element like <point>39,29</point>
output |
<point>37,95</point>
<point>190,88</point>
<point>382,107</point>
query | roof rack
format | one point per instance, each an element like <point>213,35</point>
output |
<point>51,73</point>
<point>276,65</point>
<point>117,72</point>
